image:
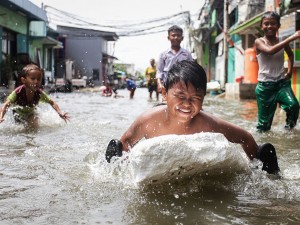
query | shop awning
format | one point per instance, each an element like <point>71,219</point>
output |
<point>52,42</point>
<point>250,26</point>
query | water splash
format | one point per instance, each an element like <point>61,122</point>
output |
<point>173,157</point>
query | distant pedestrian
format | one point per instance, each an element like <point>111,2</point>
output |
<point>131,86</point>
<point>107,91</point>
<point>172,55</point>
<point>151,79</point>
<point>274,81</point>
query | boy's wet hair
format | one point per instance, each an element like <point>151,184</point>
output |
<point>188,71</point>
<point>175,28</point>
<point>270,14</point>
<point>29,67</point>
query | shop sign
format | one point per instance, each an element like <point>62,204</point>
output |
<point>288,25</point>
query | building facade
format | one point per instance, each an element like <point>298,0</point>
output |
<point>24,39</point>
<point>225,40</point>
<point>88,50</point>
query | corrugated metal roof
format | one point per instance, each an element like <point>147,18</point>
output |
<point>26,7</point>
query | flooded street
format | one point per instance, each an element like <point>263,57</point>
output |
<point>59,175</point>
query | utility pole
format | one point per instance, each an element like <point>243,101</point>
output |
<point>225,27</point>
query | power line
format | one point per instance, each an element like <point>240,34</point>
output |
<point>142,27</point>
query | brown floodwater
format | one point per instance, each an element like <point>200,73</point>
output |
<point>58,175</point>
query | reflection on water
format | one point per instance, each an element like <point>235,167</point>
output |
<point>58,175</point>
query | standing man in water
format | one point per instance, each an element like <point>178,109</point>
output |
<point>151,79</point>
<point>172,55</point>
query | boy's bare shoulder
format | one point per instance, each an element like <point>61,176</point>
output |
<point>216,124</point>
<point>154,112</point>
<point>215,120</point>
<point>208,122</point>
<point>150,115</point>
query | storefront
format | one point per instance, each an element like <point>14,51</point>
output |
<point>19,24</point>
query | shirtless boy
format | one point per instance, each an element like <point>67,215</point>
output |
<point>184,92</point>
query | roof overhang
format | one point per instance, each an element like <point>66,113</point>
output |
<point>250,26</point>
<point>49,41</point>
<point>109,56</point>
<point>86,33</point>
<point>32,11</point>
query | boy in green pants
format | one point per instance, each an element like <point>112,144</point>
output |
<point>274,84</point>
